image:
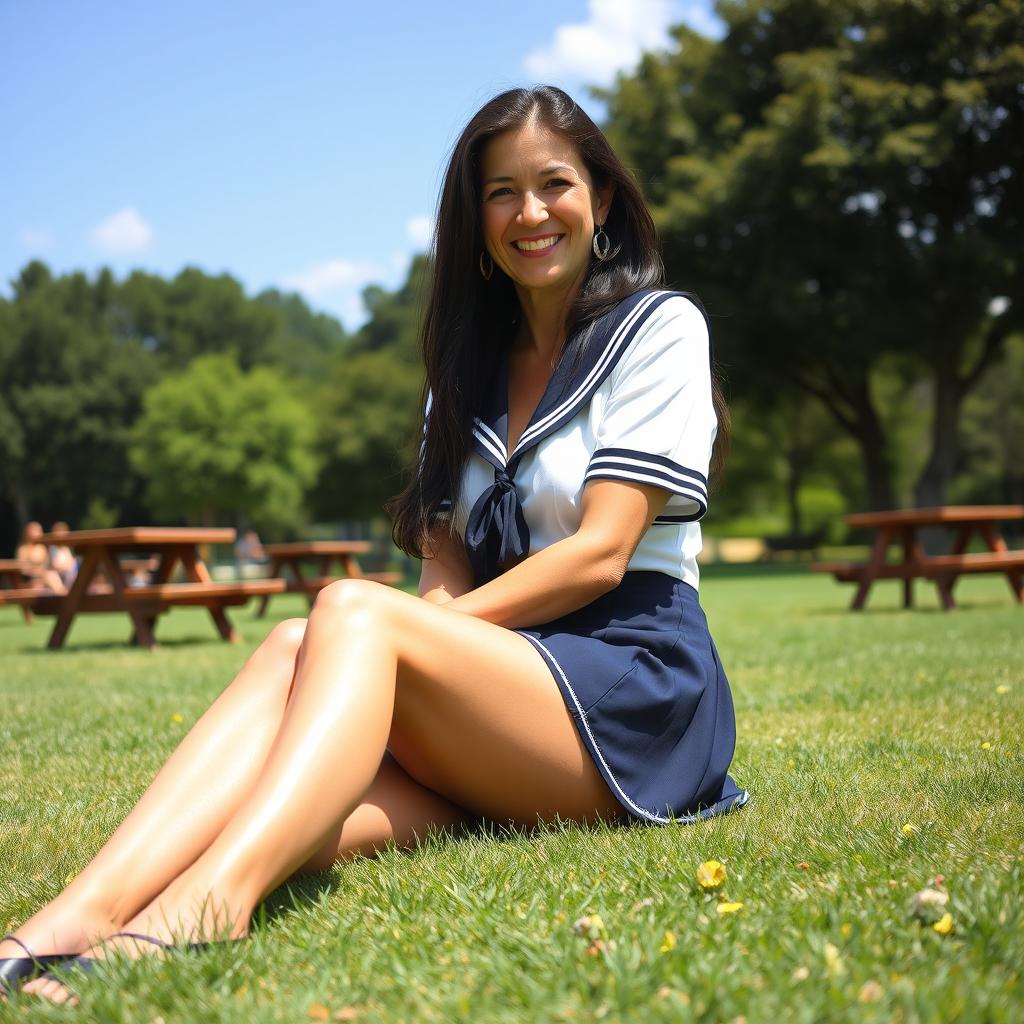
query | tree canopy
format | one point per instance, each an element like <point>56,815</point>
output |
<point>841,181</point>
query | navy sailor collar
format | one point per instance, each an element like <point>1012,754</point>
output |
<point>497,534</point>
<point>568,389</point>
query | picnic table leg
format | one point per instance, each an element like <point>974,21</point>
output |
<point>197,572</point>
<point>997,545</point>
<point>869,572</point>
<point>73,599</point>
<point>275,568</point>
<point>352,567</point>
<point>908,558</point>
<point>142,631</point>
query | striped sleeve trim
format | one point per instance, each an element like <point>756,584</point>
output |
<point>644,468</point>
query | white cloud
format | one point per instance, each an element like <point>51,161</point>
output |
<point>336,287</point>
<point>124,232</point>
<point>36,239</point>
<point>701,18</point>
<point>420,229</point>
<point>609,41</point>
<point>329,277</point>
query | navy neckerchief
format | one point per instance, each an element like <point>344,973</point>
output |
<point>497,535</point>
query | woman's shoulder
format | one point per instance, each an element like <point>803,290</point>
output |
<point>666,319</point>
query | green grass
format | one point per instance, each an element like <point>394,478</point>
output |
<point>850,726</point>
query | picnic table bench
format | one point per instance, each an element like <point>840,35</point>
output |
<point>101,585</point>
<point>13,575</point>
<point>902,525</point>
<point>325,553</point>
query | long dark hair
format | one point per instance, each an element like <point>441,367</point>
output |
<point>470,320</point>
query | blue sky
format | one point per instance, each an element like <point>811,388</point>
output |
<point>296,145</point>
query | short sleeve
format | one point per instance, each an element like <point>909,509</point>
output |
<point>658,425</point>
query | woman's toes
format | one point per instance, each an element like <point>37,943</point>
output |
<point>51,989</point>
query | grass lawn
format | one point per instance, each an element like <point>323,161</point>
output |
<point>882,749</point>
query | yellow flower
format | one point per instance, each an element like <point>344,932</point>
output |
<point>833,961</point>
<point>845,929</point>
<point>986,745</point>
<point>908,829</point>
<point>1002,689</point>
<point>729,908</point>
<point>668,943</point>
<point>791,763</point>
<point>177,719</point>
<point>944,925</point>
<point>711,874</point>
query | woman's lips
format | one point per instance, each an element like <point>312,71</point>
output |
<point>538,247</point>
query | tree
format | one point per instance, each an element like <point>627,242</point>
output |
<point>214,442</point>
<point>841,181</point>
<point>70,391</point>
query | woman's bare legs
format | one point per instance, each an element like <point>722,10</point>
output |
<point>468,709</point>
<point>197,790</point>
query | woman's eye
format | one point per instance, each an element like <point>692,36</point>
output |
<point>557,183</point>
<point>499,192</point>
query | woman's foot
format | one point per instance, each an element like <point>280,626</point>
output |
<point>59,928</point>
<point>184,913</point>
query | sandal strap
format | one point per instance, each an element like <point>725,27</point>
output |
<point>14,938</point>
<point>140,937</point>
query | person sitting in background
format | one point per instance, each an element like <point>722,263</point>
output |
<point>248,550</point>
<point>62,559</point>
<point>36,557</point>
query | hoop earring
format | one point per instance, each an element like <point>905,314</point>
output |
<point>486,269</point>
<point>602,243</point>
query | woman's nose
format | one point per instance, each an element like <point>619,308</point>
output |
<point>533,211</point>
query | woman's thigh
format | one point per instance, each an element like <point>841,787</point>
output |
<point>478,717</point>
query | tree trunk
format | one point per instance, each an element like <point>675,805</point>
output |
<point>933,484</point>
<point>793,479</point>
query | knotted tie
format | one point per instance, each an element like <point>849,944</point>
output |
<point>496,531</point>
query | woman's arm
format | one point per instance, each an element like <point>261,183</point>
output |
<point>572,572</point>
<point>447,574</point>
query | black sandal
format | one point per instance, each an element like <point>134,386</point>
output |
<point>16,970</point>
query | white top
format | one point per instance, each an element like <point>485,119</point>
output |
<point>638,409</point>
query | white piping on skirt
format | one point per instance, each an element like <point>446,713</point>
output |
<point>586,725</point>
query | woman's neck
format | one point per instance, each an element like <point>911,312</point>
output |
<point>542,326</point>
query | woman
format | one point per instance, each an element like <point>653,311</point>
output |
<point>570,414</point>
<point>36,557</point>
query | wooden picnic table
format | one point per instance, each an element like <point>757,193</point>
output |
<point>901,527</point>
<point>101,585</point>
<point>325,553</point>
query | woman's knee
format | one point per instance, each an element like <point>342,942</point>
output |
<point>353,600</point>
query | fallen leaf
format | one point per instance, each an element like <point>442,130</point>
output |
<point>870,992</point>
<point>319,1012</point>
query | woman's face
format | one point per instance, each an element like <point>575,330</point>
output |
<point>539,208</point>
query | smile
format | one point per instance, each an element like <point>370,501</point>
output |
<point>537,244</point>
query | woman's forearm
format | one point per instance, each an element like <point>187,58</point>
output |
<point>552,582</point>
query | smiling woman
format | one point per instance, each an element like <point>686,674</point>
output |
<point>556,662</point>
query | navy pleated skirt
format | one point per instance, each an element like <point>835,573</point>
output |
<point>641,678</point>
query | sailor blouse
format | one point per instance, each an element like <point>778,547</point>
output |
<point>638,408</point>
